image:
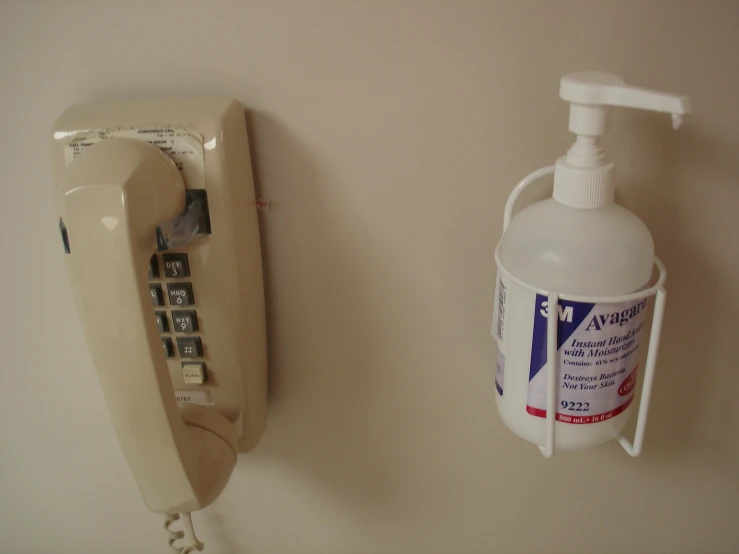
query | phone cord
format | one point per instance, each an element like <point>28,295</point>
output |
<point>189,533</point>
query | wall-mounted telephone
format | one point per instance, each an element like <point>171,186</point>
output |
<point>159,222</point>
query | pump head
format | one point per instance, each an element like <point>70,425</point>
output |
<point>583,178</point>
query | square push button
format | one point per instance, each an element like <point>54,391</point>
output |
<point>157,298</point>
<point>189,347</point>
<point>180,294</point>
<point>194,373</point>
<point>175,265</point>
<point>167,345</point>
<point>162,322</point>
<point>185,321</point>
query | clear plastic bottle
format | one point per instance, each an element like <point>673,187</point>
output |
<point>579,242</point>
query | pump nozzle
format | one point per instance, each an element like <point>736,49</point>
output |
<point>591,93</point>
<point>583,177</point>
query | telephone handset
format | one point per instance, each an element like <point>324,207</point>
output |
<point>158,217</point>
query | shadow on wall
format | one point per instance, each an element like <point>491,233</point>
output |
<point>319,266</point>
<point>696,381</point>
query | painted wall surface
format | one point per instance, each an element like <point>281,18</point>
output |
<point>389,135</point>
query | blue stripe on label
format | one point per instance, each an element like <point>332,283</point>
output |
<point>571,315</point>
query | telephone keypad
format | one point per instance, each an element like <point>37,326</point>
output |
<point>180,294</point>
<point>185,321</point>
<point>175,265</point>
<point>157,298</point>
<point>189,347</point>
<point>194,373</point>
<point>177,319</point>
<point>162,322</point>
<point>167,345</point>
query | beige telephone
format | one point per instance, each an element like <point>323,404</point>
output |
<point>159,221</point>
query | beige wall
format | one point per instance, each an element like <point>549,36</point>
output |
<point>388,134</point>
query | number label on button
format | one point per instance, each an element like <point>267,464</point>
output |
<point>180,294</point>
<point>175,265</point>
<point>185,321</point>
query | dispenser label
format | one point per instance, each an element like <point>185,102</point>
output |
<point>598,353</point>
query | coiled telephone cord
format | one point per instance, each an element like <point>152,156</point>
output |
<point>193,544</point>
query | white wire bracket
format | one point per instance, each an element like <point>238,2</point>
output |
<point>657,290</point>
<point>634,449</point>
<point>552,375</point>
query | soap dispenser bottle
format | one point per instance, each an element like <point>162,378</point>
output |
<point>594,259</point>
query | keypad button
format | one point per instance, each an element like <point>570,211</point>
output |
<point>162,322</point>
<point>194,373</point>
<point>180,294</point>
<point>189,347</point>
<point>157,297</point>
<point>185,321</point>
<point>153,267</point>
<point>167,345</point>
<point>175,265</point>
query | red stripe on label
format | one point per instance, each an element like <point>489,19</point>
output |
<point>580,420</point>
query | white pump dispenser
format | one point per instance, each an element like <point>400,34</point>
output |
<point>594,259</point>
<point>583,178</point>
